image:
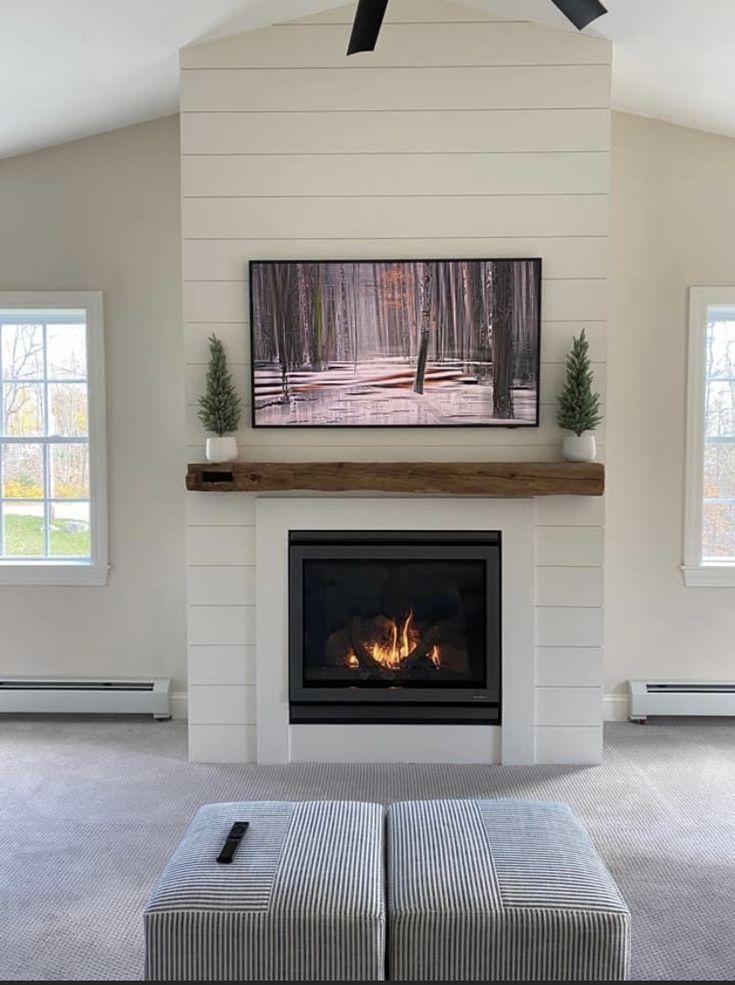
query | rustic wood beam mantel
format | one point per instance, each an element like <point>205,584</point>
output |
<point>519,479</point>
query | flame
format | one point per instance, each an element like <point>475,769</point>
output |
<point>401,640</point>
<point>398,639</point>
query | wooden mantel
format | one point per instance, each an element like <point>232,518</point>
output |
<point>520,479</point>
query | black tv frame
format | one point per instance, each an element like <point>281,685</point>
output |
<point>511,425</point>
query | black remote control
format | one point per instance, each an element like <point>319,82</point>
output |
<point>232,842</point>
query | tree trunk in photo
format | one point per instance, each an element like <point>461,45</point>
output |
<point>466,311</point>
<point>381,346</point>
<point>279,286</point>
<point>318,356</point>
<point>425,324</point>
<point>355,333</point>
<point>502,307</point>
<point>304,320</point>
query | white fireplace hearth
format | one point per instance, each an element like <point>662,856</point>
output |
<point>551,653</point>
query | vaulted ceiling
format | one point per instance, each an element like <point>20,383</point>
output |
<point>73,68</point>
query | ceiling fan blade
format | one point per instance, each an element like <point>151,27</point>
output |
<point>368,21</point>
<point>580,12</point>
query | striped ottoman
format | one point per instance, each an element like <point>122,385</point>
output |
<point>500,891</point>
<point>302,900</point>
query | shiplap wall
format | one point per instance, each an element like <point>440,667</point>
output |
<point>462,135</point>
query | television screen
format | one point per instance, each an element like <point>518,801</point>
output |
<point>395,343</point>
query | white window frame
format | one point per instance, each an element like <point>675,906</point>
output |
<point>67,572</point>
<point>698,573</point>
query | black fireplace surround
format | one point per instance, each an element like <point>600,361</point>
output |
<point>394,627</point>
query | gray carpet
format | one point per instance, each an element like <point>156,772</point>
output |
<point>90,810</point>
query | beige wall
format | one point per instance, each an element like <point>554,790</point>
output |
<point>103,214</point>
<point>673,228</point>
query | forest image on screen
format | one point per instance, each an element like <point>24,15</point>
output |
<point>400,343</point>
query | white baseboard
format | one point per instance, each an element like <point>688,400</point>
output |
<point>179,705</point>
<point>615,707</point>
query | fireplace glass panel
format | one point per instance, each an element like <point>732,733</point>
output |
<point>377,623</point>
<point>388,626</point>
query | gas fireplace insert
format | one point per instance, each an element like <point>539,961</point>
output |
<point>396,627</point>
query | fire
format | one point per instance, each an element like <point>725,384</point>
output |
<point>401,640</point>
<point>391,642</point>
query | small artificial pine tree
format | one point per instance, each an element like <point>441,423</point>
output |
<point>219,407</point>
<point>579,407</point>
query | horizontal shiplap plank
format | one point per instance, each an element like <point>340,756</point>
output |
<point>216,664</point>
<point>567,626</point>
<point>577,706</point>
<point>556,340</point>
<point>570,546</point>
<point>222,743</point>
<point>214,301</point>
<point>401,45</point>
<point>220,584</point>
<point>217,704</point>
<point>389,89</point>
<point>561,300</point>
<point>493,131</point>
<point>500,446</point>
<point>565,511</point>
<point>570,586</point>
<point>559,745</point>
<point>223,624</point>
<point>472,215</point>
<point>227,259</point>
<point>395,174</point>
<point>220,545</point>
<point>208,509</point>
<point>575,300</point>
<point>560,666</point>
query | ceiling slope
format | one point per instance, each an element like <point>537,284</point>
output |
<point>80,67</point>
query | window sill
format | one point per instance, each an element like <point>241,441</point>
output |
<point>49,573</point>
<point>709,575</point>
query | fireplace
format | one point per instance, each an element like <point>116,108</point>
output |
<point>394,627</point>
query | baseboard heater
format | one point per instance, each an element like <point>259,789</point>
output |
<point>680,698</point>
<point>86,695</point>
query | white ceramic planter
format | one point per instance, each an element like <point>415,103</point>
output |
<point>220,450</point>
<point>580,447</point>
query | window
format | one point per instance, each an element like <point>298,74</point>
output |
<point>53,510</point>
<point>709,547</point>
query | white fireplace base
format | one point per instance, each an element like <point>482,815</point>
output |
<point>396,743</point>
<point>280,742</point>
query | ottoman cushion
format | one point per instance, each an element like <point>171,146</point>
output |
<point>302,900</point>
<point>500,891</point>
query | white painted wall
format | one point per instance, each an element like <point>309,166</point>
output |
<point>673,222</point>
<point>103,214</point>
<point>460,136</point>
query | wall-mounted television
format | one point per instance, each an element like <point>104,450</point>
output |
<point>395,343</point>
